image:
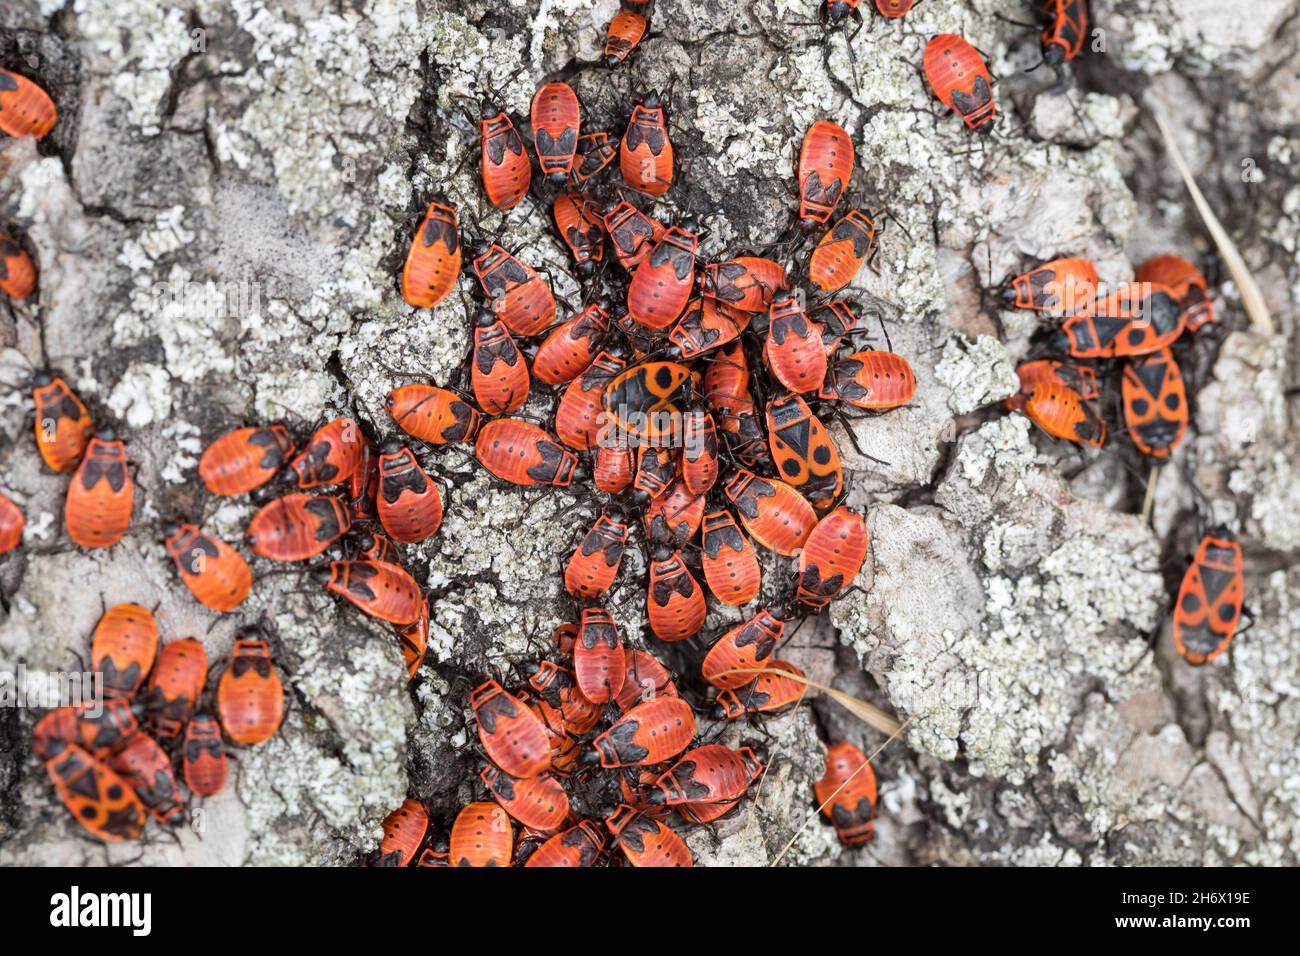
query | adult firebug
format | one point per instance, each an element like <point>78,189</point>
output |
<point>1209,599</point>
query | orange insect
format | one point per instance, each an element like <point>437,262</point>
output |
<point>539,803</point>
<point>644,680</point>
<point>646,841</point>
<point>519,297</point>
<point>63,426</point>
<point>577,219</point>
<point>558,688</point>
<point>147,769</point>
<point>556,121</point>
<point>836,320</point>
<point>1066,29</point>
<point>498,374</point>
<point>730,565</point>
<point>648,401</point>
<point>704,326</point>
<point>646,153</point>
<point>203,760</point>
<point>774,514</point>
<point>521,453</point>
<point>513,736</point>
<point>1061,287</point>
<point>1135,319</point>
<point>595,152</point>
<point>651,732</point>
<point>99,728</point>
<point>598,660</point>
<point>614,468</point>
<point>624,33</point>
<point>709,774</point>
<point>675,515</point>
<point>662,283</point>
<point>433,263</point>
<point>11,525</point>
<point>1155,403</point>
<point>1209,599</point>
<point>433,415</point>
<point>404,831</point>
<point>842,251</point>
<point>97,797</point>
<point>123,648</point>
<point>244,459</point>
<point>699,453</point>
<point>577,846</point>
<point>1187,284</point>
<point>17,274</point>
<point>578,415</point>
<point>250,696</point>
<point>384,591</point>
<point>847,793</point>
<point>481,836</point>
<point>213,571</point>
<point>655,470</point>
<point>174,686</point>
<point>1059,411</point>
<point>747,283</point>
<point>632,233</point>
<point>507,172</point>
<point>871,380</point>
<point>825,167</point>
<point>960,80</point>
<point>409,505</point>
<point>593,566</point>
<point>675,603</point>
<point>766,694</point>
<point>572,346</point>
<point>831,557</point>
<point>1080,378</point>
<point>793,350</point>
<point>747,645</point>
<point>414,641</point>
<point>332,455</point>
<point>726,386</point>
<point>97,511</point>
<point>803,451</point>
<point>297,526</point>
<point>25,108</point>
<point>700,812</point>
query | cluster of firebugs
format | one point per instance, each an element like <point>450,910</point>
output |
<point>695,404</point>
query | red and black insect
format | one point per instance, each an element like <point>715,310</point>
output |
<point>774,514</point>
<point>123,648</point>
<point>578,414</point>
<point>746,646</point>
<point>1080,378</point>
<point>701,812</point>
<point>409,506</point>
<point>579,223</point>
<point>578,846</point>
<point>63,425</point>
<point>595,152</point>
<point>17,273</point>
<point>699,450</point>
<point>384,591</point>
<point>1155,403</point>
<point>831,557</point>
<point>523,454</point>
<point>593,566</point>
<point>647,841</point>
<point>708,774</point>
<point>11,525</point>
<point>297,526</point>
<point>644,680</point>
<point>803,451</point>
<point>1060,411</point>
<point>203,760</point>
<point>646,152</point>
<point>1060,287</point>
<point>1187,284</point>
<point>100,728</point>
<point>481,836</point>
<point>730,566</point>
<point>331,456</point>
<point>766,694</point>
<point>748,283</point>
<point>1209,599</point>
<point>498,372</point>
<point>250,696</point>
<point>1135,319</point>
<point>539,803</point>
<point>514,737</point>
<point>632,233</point>
<point>147,769</point>
<point>651,732</point>
<point>213,571</point>
<point>825,167</point>
<point>433,262</point>
<point>662,283</point>
<point>97,797</point>
<point>556,120</point>
<point>655,470</point>
<point>518,295</point>
<point>621,38</point>
<point>404,831</point>
<point>847,793</point>
<point>704,326</point>
<point>598,660</point>
<point>25,108</point>
<point>793,351</point>
<point>675,602</point>
<point>1065,30</point>
<point>507,172</point>
<point>960,80</point>
<point>572,346</point>
<point>675,515</point>
<point>433,415</point>
<point>559,689</point>
<point>871,380</point>
<point>842,251</point>
<point>97,510</point>
<point>244,459</point>
<point>414,641</point>
<point>648,401</point>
